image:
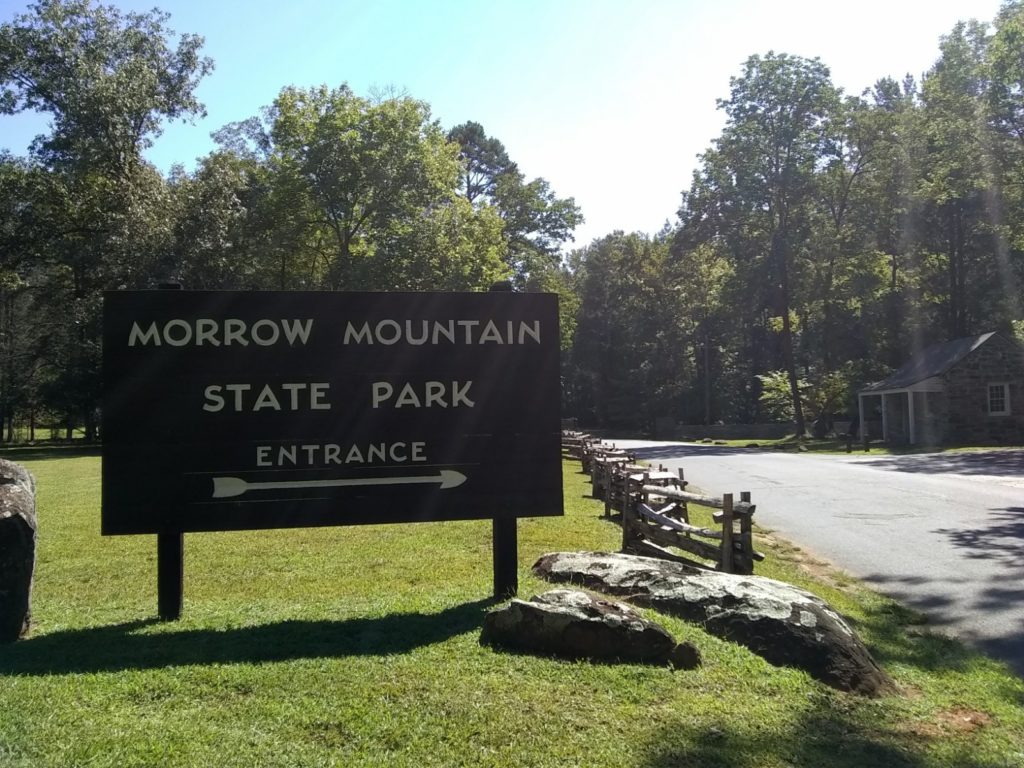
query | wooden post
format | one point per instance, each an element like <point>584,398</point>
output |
<point>170,574</point>
<point>170,556</point>
<point>863,419</point>
<point>627,531</point>
<point>608,491</point>
<point>747,535</point>
<point>504,543</point>
<point>506,557</point>
<point>726,565</point>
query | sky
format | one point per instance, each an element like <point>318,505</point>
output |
<point>610,101</point>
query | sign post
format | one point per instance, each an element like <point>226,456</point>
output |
<point>264,410</point>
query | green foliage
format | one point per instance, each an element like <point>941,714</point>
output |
<point>536,223</point>
<point>821,397</point>
<point>628,350</point>
<point>484,160</point>
<point>107,79</point>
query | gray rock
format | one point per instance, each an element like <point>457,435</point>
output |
<point>576,625</point>
<point>17,549</point>
<point>782,623</point>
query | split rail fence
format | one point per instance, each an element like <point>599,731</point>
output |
<point>652,503</point>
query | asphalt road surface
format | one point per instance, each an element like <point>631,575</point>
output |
<point>943,532</point>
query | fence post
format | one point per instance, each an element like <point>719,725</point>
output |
<point>726,565</point>
<point>747,535</point>
<point>608,491</point>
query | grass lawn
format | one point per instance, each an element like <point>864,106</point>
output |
<point>359,647</point>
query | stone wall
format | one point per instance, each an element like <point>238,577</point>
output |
<point>997,360</point>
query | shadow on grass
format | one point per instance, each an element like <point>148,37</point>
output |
<point>840,731</point>
<point>45,452</point>
<point>123,646</point>
<point>827,735</point>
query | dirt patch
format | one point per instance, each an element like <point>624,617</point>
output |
<point>950,722</point>
<point>817,569</point>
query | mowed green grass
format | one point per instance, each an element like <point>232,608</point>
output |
<point>359,647</point>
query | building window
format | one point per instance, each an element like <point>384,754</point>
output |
<point>998,399</point>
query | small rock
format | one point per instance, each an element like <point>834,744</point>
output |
<point>576,625</point>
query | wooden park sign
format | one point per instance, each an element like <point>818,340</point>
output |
<point>247,410</point>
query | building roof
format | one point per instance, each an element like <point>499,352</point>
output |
<point>930,361</point>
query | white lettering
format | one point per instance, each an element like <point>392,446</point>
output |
<point>417,332</point>
<point>526,330</point>
<point>362,336</point>
<point>461,394</point>
<point>233,330</point>
<point>469,325</point>
<point>430,394</point>
<point>407,397</point>
<point>206,331</point>
<point>382,391</point>
<point>317,393</point>
<point>412,339</point>
<point>296,396</point>
<point>137,335</point>
<point>448,331</point>
<point>214,402</point>
<point>317,454</point>
<point>238,389</point>
<point>181,341</point>
<point>295,329</point>
<point>491,333</point>
<point>263,456</point>
<point>396,328</point>
<point>267,399</point>
<point>435,394</point>
<point>266,341</point>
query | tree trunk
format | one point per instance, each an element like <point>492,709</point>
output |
<point>707,379</point>
<point>789,358</point>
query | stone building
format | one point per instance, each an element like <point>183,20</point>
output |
<point>965,391</point>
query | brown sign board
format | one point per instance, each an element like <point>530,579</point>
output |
<point>245,410</point>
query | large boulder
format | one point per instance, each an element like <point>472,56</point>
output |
<point>17,549</point>
<point>578,625</point>
<point>782,623</point>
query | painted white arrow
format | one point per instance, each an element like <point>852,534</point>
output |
<point>226,487</point>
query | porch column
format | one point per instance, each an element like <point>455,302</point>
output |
<point>863,421</point>
<point>910,415</point>
<point>885,421</point>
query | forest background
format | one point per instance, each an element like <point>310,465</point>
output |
<point>823,238</point>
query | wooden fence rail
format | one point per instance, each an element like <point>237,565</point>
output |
<point>654,514</point>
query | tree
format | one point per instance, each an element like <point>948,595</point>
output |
<point>700,277</point>
<point>775,136</point>
<point>629,348</point>
<point>342,173</point>
<point>536,222</point>
<point>484,160</point>
<point>955,179</point>
<point>108,81</point>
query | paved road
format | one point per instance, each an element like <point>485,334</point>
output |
<point>943,533</point>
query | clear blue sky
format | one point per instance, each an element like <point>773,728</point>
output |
<point>610,101</point>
